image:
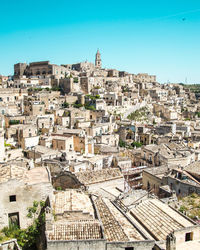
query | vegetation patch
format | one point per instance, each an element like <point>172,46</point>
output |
<point>136,144</point>
<point>190,205</point>
<point>26,238</point>
<point>139,115</point>
<point>14,122</point>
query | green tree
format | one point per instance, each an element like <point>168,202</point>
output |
<point>122,143</point>
<point>136,144</point>
<point>66,105</point>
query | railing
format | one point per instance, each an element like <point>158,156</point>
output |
<point>13,242</point>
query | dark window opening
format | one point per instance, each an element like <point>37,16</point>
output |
<point>148,186</point>
<point>12,198</point>
<point>129,248</point>
<point>188,236</point>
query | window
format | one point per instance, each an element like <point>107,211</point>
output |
<point>129,248</point>
<point>148,186</point>
<point>12,198</point>
<point>189,236</point>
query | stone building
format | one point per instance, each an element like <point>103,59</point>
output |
<point>63,143</point>
<point>163,180</point>
<point>78,226</point>
<point>33,108</point>
<point>12,95</point>
<point>2,146</point>
<point>171,154</point>
<point>40,69</point>
<point>19,188</point>
<point>27,136</point>
<point>81,142</point>
<point>83,221</point>
<point>20,69</point>
<point>66,85</point>
<point>86,84</point>
<point>144,77</point>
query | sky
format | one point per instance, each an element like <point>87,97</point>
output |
<point>160,37</point>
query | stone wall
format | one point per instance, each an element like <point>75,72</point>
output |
<point>182,188</point>
<point>136,245</point>
<point>25,195</point>
<point>150,181</point>
<point>77,245</point>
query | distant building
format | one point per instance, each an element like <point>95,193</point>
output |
<point>98,60</point>
<point>2,147</point>
<point>144,77</point>
<point>39,69</point>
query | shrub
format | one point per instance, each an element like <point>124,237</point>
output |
<point>79,105</point>
<point>7,144</point>
<point>55,89</point>
<point>89,107</point>
<point>66,105</point>
<point>136,144</point>
<point>14,122</point>
<point>122,143</point>
<point>75,80</point>
<point>193,195</point>
<point>182,209</point>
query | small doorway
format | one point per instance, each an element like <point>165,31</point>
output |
<point>13,220</point>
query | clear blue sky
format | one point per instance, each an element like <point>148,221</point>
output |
<point>159,37</point>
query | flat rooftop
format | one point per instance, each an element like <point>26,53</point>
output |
<point>91,177</point>
<point>75,219</point>
<point>20,172</point>
<point>72,201</point>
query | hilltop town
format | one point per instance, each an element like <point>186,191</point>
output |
<point>96,158</point>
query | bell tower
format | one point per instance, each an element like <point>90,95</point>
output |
<point>98,60</point>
